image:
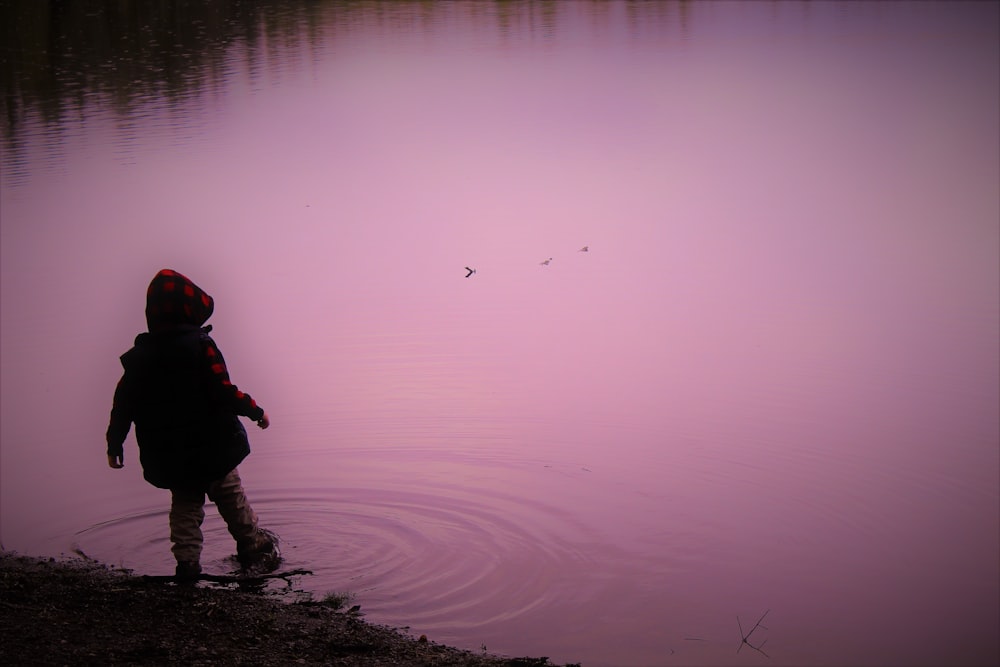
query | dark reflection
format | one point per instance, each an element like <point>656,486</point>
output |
<point>61,60</point>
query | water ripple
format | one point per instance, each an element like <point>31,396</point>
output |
<point>441,557</point>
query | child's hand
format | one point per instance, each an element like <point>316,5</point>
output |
<point>116,461</point>
<point>264,422</point>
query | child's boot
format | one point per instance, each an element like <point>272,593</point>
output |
<point>260,552</point>
<point>187,571</point>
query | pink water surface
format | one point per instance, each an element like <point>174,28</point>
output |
<point>769,383</point>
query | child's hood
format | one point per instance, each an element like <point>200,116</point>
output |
<point>173,300</point>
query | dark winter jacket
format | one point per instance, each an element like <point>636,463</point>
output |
<point>176,389</point>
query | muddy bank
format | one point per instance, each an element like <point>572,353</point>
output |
<point>77,612</point>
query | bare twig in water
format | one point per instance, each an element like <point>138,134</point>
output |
<point>233,578</point>
<point>745,638</point>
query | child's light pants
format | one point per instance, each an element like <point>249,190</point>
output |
<point>187,512</point>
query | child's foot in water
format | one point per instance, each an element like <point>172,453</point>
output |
<point>263,555</point>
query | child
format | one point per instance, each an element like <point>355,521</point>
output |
<point>176,389</point>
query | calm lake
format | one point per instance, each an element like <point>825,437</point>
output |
<point>730,347</point>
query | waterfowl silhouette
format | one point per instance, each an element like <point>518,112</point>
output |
<point>546,262</point>
<point>470,272</point>
<point>585,248</point>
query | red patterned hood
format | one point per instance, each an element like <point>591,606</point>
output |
<point>173,300</point>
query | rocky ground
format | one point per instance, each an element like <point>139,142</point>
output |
<point>77,612</point>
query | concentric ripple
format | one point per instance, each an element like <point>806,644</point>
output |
<point>444,549</point>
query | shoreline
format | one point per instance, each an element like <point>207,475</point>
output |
<point>82,612</point>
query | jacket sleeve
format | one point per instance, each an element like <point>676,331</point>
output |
<point>121,418</point>
<point>224,390</point>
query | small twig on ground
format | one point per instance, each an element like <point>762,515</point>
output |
<point>745,638</point>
